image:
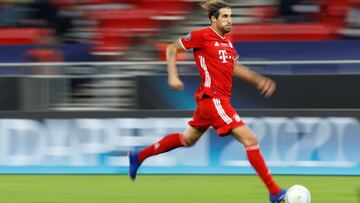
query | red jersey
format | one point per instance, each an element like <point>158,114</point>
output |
<point>214,56</point>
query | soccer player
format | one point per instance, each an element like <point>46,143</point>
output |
<point>216,60</point>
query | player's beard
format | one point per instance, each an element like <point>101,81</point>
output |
<point>226,29</point>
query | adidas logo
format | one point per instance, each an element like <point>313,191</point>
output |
<point>217,44</point>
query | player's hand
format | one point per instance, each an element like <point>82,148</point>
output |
<point>176,84</point>
<point>266,86</point>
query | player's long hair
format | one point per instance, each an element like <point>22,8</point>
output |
<point>212,7</point>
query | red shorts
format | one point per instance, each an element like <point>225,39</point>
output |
<point>216,113</point>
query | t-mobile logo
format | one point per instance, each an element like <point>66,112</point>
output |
<point>223,56</point>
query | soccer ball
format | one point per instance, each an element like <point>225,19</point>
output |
<point>297,194</point>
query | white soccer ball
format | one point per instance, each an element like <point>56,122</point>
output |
<point>297,194</point>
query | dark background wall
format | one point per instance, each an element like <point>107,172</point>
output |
<point>293,91</point>
<point>10,94</point>
<point>299,50</point>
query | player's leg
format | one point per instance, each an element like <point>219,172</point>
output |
<point>167,143</point>
<point>244,135</point>
<point>172,141</point>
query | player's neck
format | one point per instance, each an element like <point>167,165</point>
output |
<point>218,32</point>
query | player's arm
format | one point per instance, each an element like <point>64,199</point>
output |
<point>266,85</point>
<point>173,77</point>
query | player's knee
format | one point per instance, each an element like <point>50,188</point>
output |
<point>247,140</point>
<point>192,135</point>
<point>188,142</point>
<point>245,136</point>
<point>251,141</point>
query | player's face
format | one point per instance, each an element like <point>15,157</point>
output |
<point>223,22</point>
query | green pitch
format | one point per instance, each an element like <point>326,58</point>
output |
<point>166,188</point>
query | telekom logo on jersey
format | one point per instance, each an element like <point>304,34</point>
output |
<point>223,56</point>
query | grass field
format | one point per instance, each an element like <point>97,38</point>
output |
<point>166,188</point>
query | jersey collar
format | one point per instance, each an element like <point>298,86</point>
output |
<point>217,33</point>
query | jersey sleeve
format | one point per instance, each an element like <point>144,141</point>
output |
<point>195,39</point>
<point>236,55</point>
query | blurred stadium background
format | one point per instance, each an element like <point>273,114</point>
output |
<point>81,81</point>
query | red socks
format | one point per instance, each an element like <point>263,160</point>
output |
<point>257,161</point>
<point>173,141</point>
<point>166,144</point>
